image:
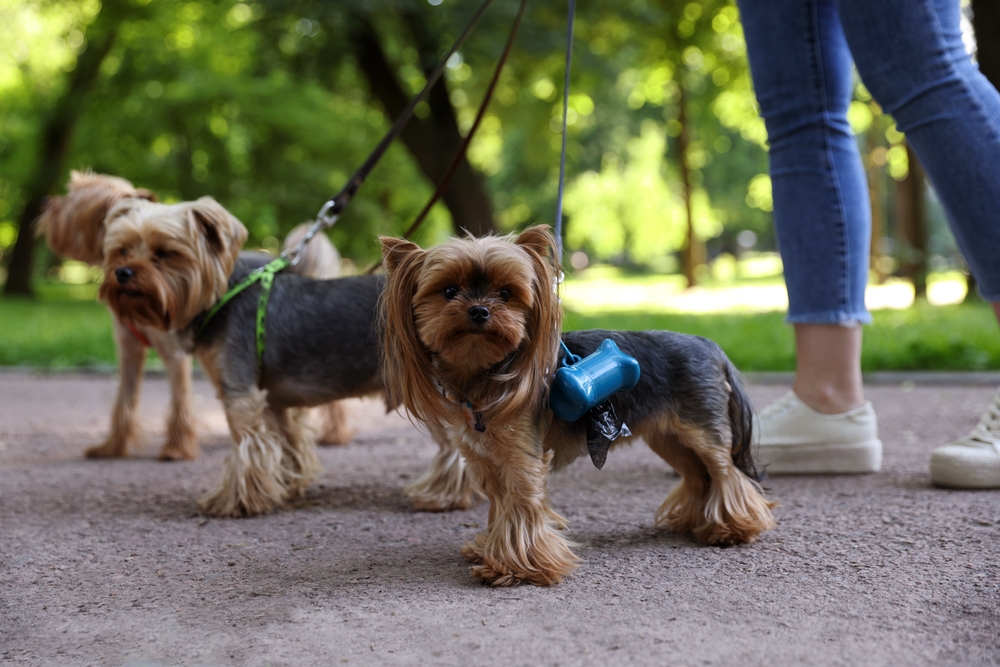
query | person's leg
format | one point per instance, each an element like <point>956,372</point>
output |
<point>911,56</point>
<point>803,79</point>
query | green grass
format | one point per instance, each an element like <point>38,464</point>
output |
<point>924,337</point>
<point>60,331</point>
<point>55,333</point>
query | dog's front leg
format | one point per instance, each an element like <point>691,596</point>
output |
<point>124,421</point>
<point>521,542</point>
<point>448,483</point>
<point>299,463</point>
<point>182,441</point>
<point>251,482</point>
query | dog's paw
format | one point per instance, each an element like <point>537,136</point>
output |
<point>338,435</point>
<point>178,452</point>
<point>333,426</point>
<point>473,549</point>
<point>488,575</point>
<point>428,501</point>
<point>110,449</point>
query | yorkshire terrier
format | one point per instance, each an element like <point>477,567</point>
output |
<point>74,227</point>
<point>167,265</point>
<point>471,345</point>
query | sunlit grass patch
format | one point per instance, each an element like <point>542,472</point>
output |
<point>923,337</point>
<point>55,333</point>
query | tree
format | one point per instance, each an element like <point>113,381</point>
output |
<point>432,141</point>
<point>54,140</point>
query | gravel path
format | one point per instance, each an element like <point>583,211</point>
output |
<point>108,563</point>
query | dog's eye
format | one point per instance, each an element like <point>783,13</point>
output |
<point>504,294</point>
<point>122,251</point>
<point>163,254</point>
<point>450,292</point>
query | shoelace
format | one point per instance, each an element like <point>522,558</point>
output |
<point>987,431</point>
<point>782,405</point>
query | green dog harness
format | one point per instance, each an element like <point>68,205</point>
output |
<point>265,275</point>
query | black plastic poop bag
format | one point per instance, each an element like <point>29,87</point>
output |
<point>603,428</point>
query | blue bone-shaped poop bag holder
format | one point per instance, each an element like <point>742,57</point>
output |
<point>580,386</point>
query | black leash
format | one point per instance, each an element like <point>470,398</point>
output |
<point>450,171</point>
<point>456,159</point>
<point>334,206</point>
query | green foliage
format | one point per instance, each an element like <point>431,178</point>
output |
<point>261,106</point>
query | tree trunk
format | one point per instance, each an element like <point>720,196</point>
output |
<point>434,140</point>
<point>56,134</point>
<point>986,25</point>
<point>693,254</point>
<point>912,224</point>
<point>878,214</point>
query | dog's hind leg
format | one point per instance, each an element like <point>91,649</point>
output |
<point>715,500</point>
<point>182,440</point>
<point>299,463</point>
<point>124,421</point>
<point>448,483</point>
<point>252,482</point>
<point>333,428</point>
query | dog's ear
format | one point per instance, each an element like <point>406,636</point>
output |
<point>530,371</point>
<point>539,240</point>
<point>44,224</point>
<point>406,365</point>
<point>394,251</point>
<point>223,232</point>
<point>148,195</point>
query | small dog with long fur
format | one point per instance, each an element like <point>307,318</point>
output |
<point>471,345</point>
<point>74,226</point>
<point>167,265</point>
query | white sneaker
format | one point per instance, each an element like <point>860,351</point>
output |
<point>972,462</point>
<point>795,439</point>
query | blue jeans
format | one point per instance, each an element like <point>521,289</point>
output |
<point>910,56</point>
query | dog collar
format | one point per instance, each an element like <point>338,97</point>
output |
<point>473,413</point>
<point>265,275</point>
<point>138,334</point>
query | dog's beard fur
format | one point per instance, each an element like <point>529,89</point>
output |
<point>165,264</point>
<point>504,362</point>
<point>73,224</point>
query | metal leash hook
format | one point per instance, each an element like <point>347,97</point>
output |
<point>325,219</point>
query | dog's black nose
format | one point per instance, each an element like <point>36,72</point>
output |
<point>123,274</point>
<point>479,314</point>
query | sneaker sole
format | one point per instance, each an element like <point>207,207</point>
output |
<point>963,474</point>
<point>854,458</point>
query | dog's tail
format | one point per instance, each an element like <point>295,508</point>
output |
<point>741,422</point>
<point>319,259</point>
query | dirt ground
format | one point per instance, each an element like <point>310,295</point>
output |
<point>108,562</point>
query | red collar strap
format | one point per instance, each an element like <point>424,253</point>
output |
<point>138,334</point>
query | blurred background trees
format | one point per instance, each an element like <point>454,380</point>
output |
<point>269,106</point>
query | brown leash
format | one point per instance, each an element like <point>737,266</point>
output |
<point>460,153</point>
<point>334,206</point>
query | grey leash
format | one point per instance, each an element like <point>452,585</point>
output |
<point>562,156</point>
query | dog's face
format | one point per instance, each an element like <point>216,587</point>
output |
<point>165,264</point>
<point>472,304</point>
<point>73,224</point>
<point>473,301</point>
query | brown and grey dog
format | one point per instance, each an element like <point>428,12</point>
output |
<point>167,265</point>
<point>472,342</point>
<point>74,225</point>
